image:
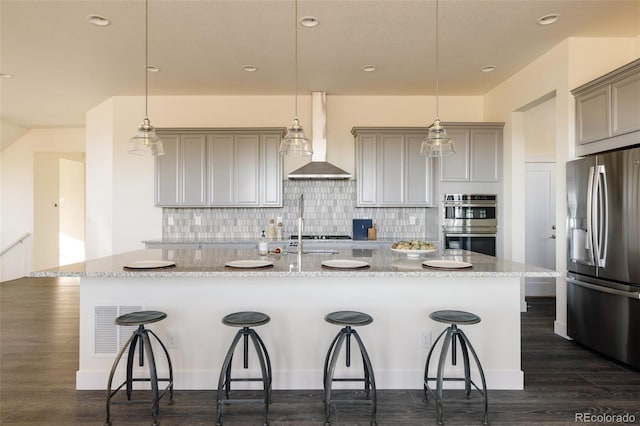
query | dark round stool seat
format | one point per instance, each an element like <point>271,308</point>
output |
<point>351,318</point>
<point>246,319</point>
<point>455,317</point>
<point>141,317</point>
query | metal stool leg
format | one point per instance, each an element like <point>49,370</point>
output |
<point>153,376</point>
<point>334,353</point>
<point>225,376</point>
<point>485,420</point>
<point>426,387</point>
<point>370,380</point>
<point>328,356</point>
<point>440,376</point>
<point>467,369</point>
<point>265,353</point>
<point>169,364</point>
<point>265,375</point>
<point>114,367</point>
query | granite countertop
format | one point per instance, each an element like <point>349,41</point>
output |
<point>211,263</point>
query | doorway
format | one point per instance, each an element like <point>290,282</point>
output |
<point>540,229</point>
<point>59,209</point>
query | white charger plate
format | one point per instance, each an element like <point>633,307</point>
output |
<point>149,264</point>
<point>446,264</point>
<point>249,264</point>
<point>345,264</point>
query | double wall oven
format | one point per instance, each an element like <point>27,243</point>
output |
<point>470,222</point>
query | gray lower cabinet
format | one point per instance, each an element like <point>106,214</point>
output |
<point>390,172</point>
<point>478,153</point>
<point>607,111</point>
<point>219,168</point>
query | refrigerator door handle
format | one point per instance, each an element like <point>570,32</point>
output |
<point>603,216</point>
<point>588,244</point>
<point>629,294</point>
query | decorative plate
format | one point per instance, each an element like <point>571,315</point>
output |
<point>446,264</point>
<point>249,264</point>
<point>345,264</point>
<point>149,264</point>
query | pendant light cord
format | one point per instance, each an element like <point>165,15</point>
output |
<point>146,57</point>
<point>295,23</point>
<point>437,68</point>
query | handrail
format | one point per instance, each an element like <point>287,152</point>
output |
<point>16,242</point>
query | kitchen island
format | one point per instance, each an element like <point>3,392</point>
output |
<point>297,292</point>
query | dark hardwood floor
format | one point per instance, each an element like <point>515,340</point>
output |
<point>39,342</point>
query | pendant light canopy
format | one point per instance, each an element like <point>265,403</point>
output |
<point>146,142</point>
<point>437,142</point>
<point>295,143</point>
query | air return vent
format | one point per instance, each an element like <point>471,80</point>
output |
<point>108,337</point>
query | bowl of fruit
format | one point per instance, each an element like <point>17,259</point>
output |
<point>413,248</point>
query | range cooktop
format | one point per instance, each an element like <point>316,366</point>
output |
<point>322,237</point>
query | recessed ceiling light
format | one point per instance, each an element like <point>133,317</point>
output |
<point>3,75</point>
<point>488,68</point>
<point>98,20</point>
<point>151,68</point>
<point>250,68</point>
<point>309,21</point>
<point>368,68</point>
<point>552,18</point>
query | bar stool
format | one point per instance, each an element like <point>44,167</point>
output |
<point>348,319</point>
<point>141,336</point>
<point>245,320</point>
<point>454,334</point>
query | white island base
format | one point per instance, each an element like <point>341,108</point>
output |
<point>297,337</point>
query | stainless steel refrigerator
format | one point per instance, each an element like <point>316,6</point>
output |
<point>603,259</point>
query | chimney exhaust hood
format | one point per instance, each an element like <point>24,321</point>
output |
<point>319,168</point>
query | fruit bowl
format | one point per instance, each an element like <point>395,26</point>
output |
<point>414,253</point>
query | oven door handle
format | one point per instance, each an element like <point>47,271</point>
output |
<point>458,234</point>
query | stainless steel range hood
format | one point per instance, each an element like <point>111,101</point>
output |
<point>319,168</point>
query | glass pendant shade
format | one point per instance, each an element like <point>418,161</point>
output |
<point>295,143</point>
<point>146,142</point>
<point>437,143</point>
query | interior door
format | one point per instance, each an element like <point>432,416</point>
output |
<point>540,232</point>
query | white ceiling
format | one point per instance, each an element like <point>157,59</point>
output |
<point>62,66</point>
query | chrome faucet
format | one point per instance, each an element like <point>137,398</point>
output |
<point>300,222</point>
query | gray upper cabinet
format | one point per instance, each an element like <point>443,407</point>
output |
<point>478,153</point>
<point>608,111</point>
<point>390,172</point>
<point>180,172</point>
<point>220,168</point>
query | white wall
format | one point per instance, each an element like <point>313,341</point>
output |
<point>17,193</point>
<point>569,64</point>
<point>540,132</point>
<point>120,204</point>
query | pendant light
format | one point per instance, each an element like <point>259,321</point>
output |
<point>146,142</point>
<point>437,142</point>
<point>295,143</point>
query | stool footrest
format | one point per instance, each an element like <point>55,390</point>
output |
<point>339,379</point>
<point>244,379</point>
